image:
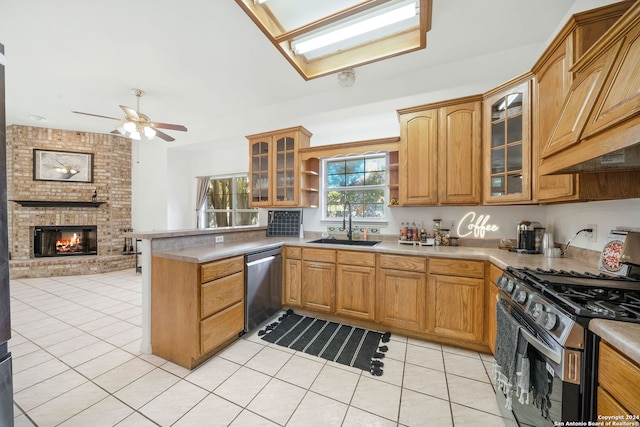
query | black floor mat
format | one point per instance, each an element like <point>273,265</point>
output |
<point>344,344</point>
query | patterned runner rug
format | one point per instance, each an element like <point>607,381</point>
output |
<point>344,344</point>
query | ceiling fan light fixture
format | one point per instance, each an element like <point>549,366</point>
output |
<point>135,135</point>
<point>149,132</point>
<point>129,127</point>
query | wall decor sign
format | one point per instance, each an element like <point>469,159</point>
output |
<point>64,166</point>
<point>476,225</point>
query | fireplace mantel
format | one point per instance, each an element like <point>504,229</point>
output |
<point>56,204</point>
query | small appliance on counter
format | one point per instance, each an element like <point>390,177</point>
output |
<point>529,236</point>
<point>630,254</point>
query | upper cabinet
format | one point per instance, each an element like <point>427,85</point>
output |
<point>553,79</point>
<point>507,143</point>
<point>440,153</point>
<point>601,112</point>
<point>274,167</point>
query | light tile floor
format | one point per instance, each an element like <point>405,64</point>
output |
<point>77,362</point>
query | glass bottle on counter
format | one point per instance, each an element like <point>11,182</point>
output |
<point>437,238</point>
<point>445,237</point>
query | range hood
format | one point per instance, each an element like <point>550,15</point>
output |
<point>598,129</point>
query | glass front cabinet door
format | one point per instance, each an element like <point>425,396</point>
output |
<point>507,136</point>
<point>274,167</point>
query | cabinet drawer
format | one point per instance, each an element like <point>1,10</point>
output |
<point>221,293</point>
<point>292,253</point>
<point>357,258</point>
<point>322,255</point>
<point>456,267</point>
<point>607,405</point>
<point>404,263</point>
<point>217,269</point>
<point>221,327</point>
<point>619,376</point>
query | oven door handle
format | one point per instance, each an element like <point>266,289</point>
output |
<point>541,347</point>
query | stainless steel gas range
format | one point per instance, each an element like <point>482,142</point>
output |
<point>545,355</point>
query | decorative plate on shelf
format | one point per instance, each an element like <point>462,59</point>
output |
<point>610,256</point>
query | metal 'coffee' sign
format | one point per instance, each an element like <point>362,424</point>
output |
<point>476,225</point>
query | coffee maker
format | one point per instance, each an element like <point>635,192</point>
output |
<point>529,236</point>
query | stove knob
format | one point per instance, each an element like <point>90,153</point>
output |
<point>520,297</point>
<point>550,321</point>
<point>505,284</point>
<point>537,310</point>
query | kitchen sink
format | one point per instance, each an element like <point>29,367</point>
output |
<point>346,242</point>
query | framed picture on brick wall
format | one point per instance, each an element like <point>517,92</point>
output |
<point>64,166</point>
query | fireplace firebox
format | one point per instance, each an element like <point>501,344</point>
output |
<point>65,241</point>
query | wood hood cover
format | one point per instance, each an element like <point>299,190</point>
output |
<point>599,125</point>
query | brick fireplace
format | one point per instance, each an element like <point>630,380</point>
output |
<point>58,204</point>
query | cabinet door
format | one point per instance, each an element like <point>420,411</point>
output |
<point>507,146</point>
<point>355,291</point>
<point>550,88</point>
<point>318,286</point>
<point>455,307</point>
<point>259,167</point>
<point>292,278</point>
<point>492,298</point>
<point>418,158</point>
<point>285,176</point>
<point>459,154</point>
<point>578,102</point>
<point>401,299</point>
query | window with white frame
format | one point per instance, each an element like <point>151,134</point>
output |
<point>227,202</point>
<point>362,181</point>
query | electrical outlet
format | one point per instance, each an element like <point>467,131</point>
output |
<point>219,239</point>
<point>593,236</point>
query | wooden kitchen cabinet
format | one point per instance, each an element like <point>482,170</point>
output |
<point>440,153</point>
<point>318,287</point>
<point>292,276</point>
<point>553,79</point>
<point>455,299</point>
<point>274,167</point>
<point>356,284</point>
<point>401,292</point>
<point>601,113</point>
<point>618,379</point>
<point>507,143</point>
<point>196,309</point>
<point>491,300</point>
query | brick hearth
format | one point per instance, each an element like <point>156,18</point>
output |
<point>111,182</point>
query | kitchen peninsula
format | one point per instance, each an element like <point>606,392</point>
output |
<point>198,247</point>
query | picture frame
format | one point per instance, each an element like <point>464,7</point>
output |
<point>63,166</point>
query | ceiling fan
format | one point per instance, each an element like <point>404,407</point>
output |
<point>135,123</point>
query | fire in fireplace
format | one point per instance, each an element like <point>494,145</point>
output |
<point>65,240</point>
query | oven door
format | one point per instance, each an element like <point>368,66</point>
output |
<point>565,397</point>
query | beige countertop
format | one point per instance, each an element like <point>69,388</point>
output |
<point>624,336</point>
<point>499,257</point>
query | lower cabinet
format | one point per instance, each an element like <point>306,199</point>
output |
<point>618,379</point>
<point>491,300</point>
<point>318,289</point>
<point>196,309</point>
<point>401,292</point>
<point>292,277</point>
<point>455,299</point>
<point>355,284</point>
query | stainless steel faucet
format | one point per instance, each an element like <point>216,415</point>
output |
<point>347,204</point>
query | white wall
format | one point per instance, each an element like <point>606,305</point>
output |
<point>149,177</point>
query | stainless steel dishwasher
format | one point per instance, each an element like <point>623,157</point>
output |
<point>263,286</point>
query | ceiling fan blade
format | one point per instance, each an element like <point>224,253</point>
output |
<point>168,126</point>
<point>164,136</point>
<point>96,115</point>
<point>130,112</point>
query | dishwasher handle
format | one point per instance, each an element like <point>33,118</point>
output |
<point>260,261</point>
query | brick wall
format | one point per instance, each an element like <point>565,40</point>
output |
<point>111,181</point>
